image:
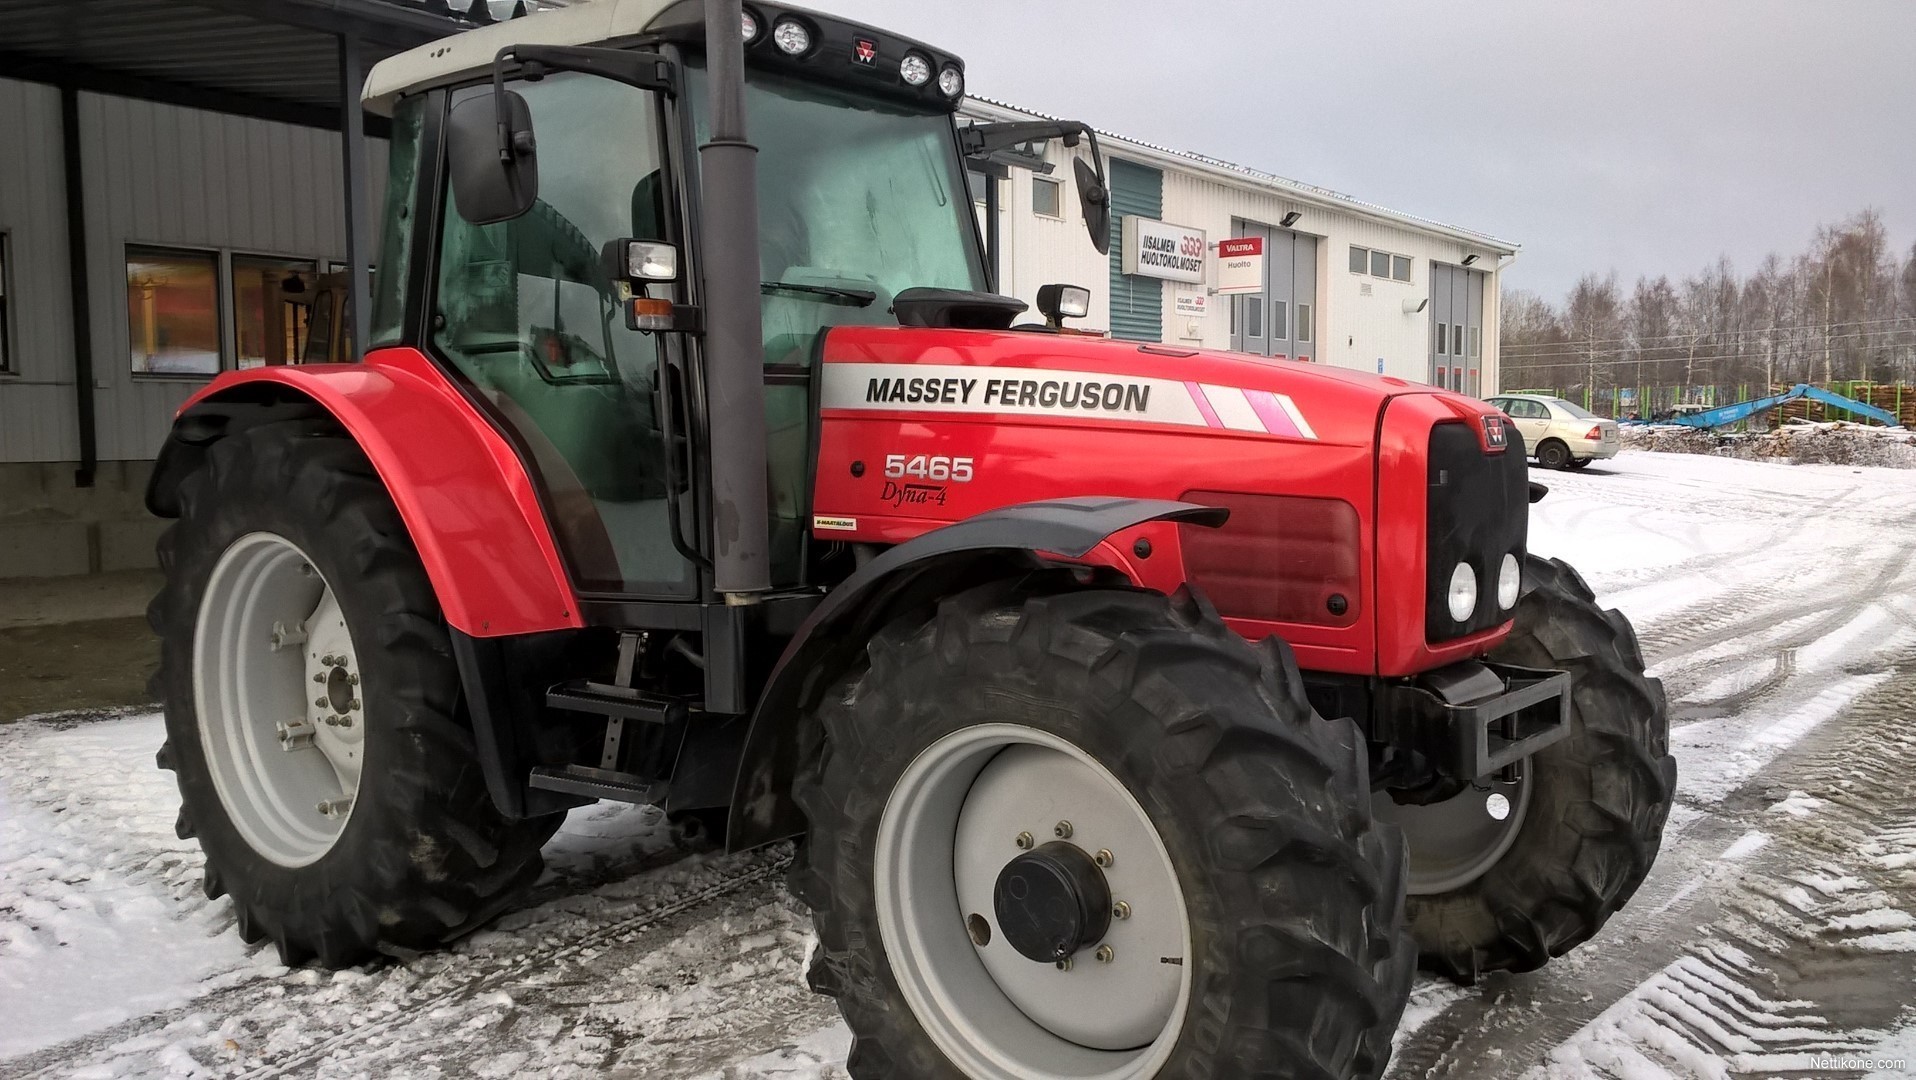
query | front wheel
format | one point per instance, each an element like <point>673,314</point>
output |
<point>1507,874</point>
<point>1095,833</point>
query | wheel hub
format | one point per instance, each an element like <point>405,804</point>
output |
<point>1052,902</point>
<point>1024,960</point>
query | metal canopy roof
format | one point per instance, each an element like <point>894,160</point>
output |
<point>278,59</point>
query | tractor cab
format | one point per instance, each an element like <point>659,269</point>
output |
<point>543,159</point>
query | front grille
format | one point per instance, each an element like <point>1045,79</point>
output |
<point>1478,509</point>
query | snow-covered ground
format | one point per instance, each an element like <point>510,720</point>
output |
<point>1776,936</point>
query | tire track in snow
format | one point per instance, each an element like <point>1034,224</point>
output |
<point>308,1016</point>
<point>1795,968</point>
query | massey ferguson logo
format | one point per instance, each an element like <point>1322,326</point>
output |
<point>865,51</point>
<point>1494,430</point>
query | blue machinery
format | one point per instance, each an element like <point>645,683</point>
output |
<point>1743,410</point>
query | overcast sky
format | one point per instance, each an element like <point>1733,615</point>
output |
<point>1645,136</point>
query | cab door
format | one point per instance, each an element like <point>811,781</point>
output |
<point>525,312</point>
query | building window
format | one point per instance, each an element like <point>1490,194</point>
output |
<point>1457,339</point>
<point>173,311</point>
<point>1303,322</point>
<point>1443,339</point>
<point>1476,342</point>
<point>1380,264</point>
<point>1254,316</point>
<point>1044,197</point>
<point>6,326</point>
<point>272,309</point>
<point>1280,320</point>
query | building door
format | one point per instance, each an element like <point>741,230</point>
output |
<point>1457,328</point>
<point>1281,321</point>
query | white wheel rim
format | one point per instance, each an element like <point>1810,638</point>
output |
<point>276,685</point>
<point>1454,842</point>
<point>950,825</point>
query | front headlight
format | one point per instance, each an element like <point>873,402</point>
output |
<point>1463,592</point>
<point>1509,582</point>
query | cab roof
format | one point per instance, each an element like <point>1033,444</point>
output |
<point>471,53</point>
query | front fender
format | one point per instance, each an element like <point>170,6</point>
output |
<point>470,507</point>
<point>997,543</point>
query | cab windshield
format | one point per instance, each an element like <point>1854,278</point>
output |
<point>858,199</point>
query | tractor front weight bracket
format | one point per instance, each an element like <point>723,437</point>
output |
<point>1474,718</point>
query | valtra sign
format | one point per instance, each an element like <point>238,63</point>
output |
<point>1240,265</point>
<point>1154,248</point>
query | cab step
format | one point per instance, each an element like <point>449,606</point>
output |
<point>598,783</point>
<point>617,702</point>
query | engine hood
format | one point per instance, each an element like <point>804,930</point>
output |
<point>1083,379</point>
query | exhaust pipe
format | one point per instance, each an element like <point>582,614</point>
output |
<point>734,363</point>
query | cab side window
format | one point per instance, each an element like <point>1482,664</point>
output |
<point>524,310</point>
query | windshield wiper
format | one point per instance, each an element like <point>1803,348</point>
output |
<point>848,297</point>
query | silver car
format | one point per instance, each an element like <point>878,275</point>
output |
<point>1559,434</point>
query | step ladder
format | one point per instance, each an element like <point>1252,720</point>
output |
<point>621,704</point>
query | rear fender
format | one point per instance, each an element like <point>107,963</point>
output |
<point>999,543</point>
<point>470,507</point>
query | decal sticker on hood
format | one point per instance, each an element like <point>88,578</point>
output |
<point>953,388</point>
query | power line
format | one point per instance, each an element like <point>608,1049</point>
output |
<point>1633,339</point>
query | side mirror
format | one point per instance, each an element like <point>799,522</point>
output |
<point>493,158</point>
<point>1095,199</point>
<point>1061,302</point>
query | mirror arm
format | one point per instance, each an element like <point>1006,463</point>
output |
<point>978,140</point>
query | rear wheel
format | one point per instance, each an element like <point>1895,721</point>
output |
<point>1506,875</point>
<point>1552,454</point>
<point>1095,833</point>
<point>1581,463</point>
<point>312,710</point>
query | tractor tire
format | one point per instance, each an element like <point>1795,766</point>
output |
<point>1552,454</point>
<point>1585,818</point>
<point>1257,910</point>
<point>416,854</point>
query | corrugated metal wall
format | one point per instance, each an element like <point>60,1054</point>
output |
<point>1137,303</point>
<point>36,400</point>
<point>154,175</point>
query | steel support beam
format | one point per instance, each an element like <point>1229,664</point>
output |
<point>77,282</point>
<point>352,136</point>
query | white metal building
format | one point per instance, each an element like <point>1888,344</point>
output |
<point>1343,282</point>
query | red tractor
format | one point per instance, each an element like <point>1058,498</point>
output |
<point>1139,710</point>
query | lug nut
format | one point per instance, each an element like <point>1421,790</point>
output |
<point>1024,841</point>
<point>1065,964</point>
<point>345,721</point>
<point>1105,955</point>
<point>353,704</point>
<point>1120,910</point>
<point>1103,857</point>
<point>352,680</point>
<point>1063,830</point>
<point>320,678</point>
<point>320,701</point>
